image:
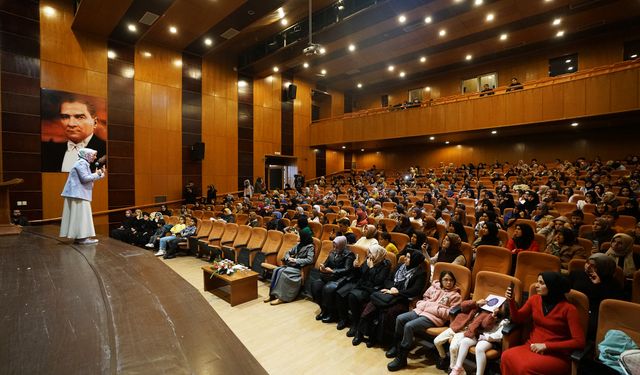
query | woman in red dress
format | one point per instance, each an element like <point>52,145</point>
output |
<point>555,332</point>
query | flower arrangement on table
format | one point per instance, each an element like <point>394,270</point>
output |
<point>225,267</point>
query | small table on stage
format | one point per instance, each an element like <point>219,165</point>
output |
<point>243,285</point>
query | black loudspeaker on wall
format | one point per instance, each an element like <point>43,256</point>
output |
<point>291,91</point>
<point>197,151</point>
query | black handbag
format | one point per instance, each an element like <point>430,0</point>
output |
<point>383,300</point>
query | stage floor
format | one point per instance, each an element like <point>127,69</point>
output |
<point>109,308</point>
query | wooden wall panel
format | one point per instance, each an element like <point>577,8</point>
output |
<point>574,99</point>
<point>220,124</point>
<point>624,95</point>
<point>335,161</point>
<point>267,121</point>
<point>306,158</point>
<point>158,124</point>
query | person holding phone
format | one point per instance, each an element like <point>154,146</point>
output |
<point>556,330</point>
<point>77,218</point>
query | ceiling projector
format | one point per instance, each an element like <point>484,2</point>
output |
<point>312,49</point>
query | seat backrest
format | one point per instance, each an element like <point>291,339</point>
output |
<point>316,228</point>
<point>586,244</point>
<point>357,232</point>
<point>462,274</point>
<point>243,236</point>
<point>528,222</point>
<point>541,240</point>
<point>217,229</point>
<point>620,315</point>
<point>273,241</point>
<point>197,214</point>
<point>589,218</point>
<point>503,236</point>
<point>471,236</point>
<point>488,282</point>
<point>434,245</point>
<point>529,264</point>
<point>442,230</point>
<point>635,287</point>
<point>258,238</point>
<point>389,206</point>
<point>467,251</point>
<point>492,258</point>
<point>331,217</point>
<point>230,232</point>
<point>327,229</point>
<point>205,228</point>
<point>242,219</point>
<point>360,252</point>
<point>289,240</point>
<point>626,222</point>
<point>325,249</point>
<point>581,302</point>
<point>576,265</point>
<point>565,208</point>
<point>391,257</point>
<point>389,223</point>
<point>399,239</point>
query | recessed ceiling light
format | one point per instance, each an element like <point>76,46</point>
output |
<point>574,124</point>
<point>280,12</point>
<point>503,36</point>
<point>276,69</point>
<point>146,54</point>
<point>442,32</point>
<point>343,147</point>
<point>402,19</point>
<point>177,62</point>
<point>173,30</point>
<point>427,88</point>
<point>556,21</point>
<point>432,138</point>
<point>48,11</point>
<point>427,19</point>
<point>359,85</point>
<point>477,2</point>
<point>634,56</point>
<point>208,41</point>
<point>305,65</point>
<point>494,132</point>
<point>352,47</point>
<point>567,61</point>
<point>490,17</point>
<point>242,83</point>
<point>560,33</point>
<point>391,68</point>
<point>362,149</point>
<point>423,59</point>
<point>570,68</point>
<point>132,28</point>
<point>111,54</point>
<point>128,72</point>
<point>284,22</point>
<point>468,57</point>
<point>446,143</point>
<point>323,72</point>
<point>402,74</point>
<point>322,51</point>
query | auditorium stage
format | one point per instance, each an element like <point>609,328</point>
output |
<point>108,308</point>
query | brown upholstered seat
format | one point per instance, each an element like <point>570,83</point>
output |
<point>242,239</point>
<point>463,282</point>
<point>273,259</point>
<point>399,239</point>
<point>530,264</point>
<point>217,228</point>
<point>491,258</point>
<point>316,228</point>
<point>257,240</point>
<point>327,229</point>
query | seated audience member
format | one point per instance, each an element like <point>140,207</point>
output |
<point>550,231</point>
<point>406,284</point>
<point>486,90</point>
<point>145,228</point>
<point>518,212</point>
<point>404,226</point>
<point>631,209</point>
<point>227,216</point>
<point>597,282</point>
<point>287,279</point>
<point>369,238</point>
<point>172,245</point>
<point>175,230</point>
<point>430,227</point>
<point>361,219</point>
<point>487,235</point>
<point>165,211</point>
<point>556,330</point>
<point>276,222</point>
<point>450,251</point>
<point>160,228</point>
<point>384,239</point>
<point>18,219</point>
<point>621,251</point>
<point>417,242</point>
<point>344,230</point>
<point>336,271</point>
<point>576,220</point>
<point>253,220</point>
<point>514,85</point>
<point>486,217</point>
<point>523,240</point>
<point>457,228</point>
<point>437,214</point>
<point>600,234</point>
<point>431,311</point>
<point>566,247</point>
<point>123,232</point>
<point>369,277</point>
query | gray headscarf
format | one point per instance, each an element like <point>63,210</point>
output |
<point>84,153</point>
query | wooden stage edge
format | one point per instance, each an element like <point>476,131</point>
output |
<point>108,308</point>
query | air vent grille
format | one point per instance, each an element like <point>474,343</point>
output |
<point>230,33</point>
<point>149,18</point>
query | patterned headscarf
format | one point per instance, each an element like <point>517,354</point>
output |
<point>378,253</point>
<point>84,153</point>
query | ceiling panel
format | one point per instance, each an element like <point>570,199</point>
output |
<point>99,17</point>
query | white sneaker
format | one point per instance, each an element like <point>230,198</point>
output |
<point>88,241</point>
<point>149,245</point>
<point>160,253</point>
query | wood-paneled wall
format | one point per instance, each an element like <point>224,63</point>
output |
<point>616,143</point>
<point>604,93</point>
<point>595,52</point>
<point>75,63</point>
<point>220,124</point>
<point>335,161</point>
<point>267,101</point>
<point>306,158</point>
<point>158,124</point>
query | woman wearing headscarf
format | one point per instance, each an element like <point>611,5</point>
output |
<point>247,189</point>
<point>276,222</point>
<point>77,218</point>
<point>417,242</point>
<point>556,330</point>
<point>287,279</point>
<point>523,240</point>
<point>601,233</point>
<point>597,282</point>
<point>487,235</point>
<point>361,219</point>
<point>566,247</point>
<point>404,226</point>
<point>457,228</point>
<point>406,284</point>
<point>368,277</point>
<point>621,251</point>
<point>450,251</point>
<point>335,272</point>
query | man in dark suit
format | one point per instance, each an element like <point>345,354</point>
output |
<point>79,119</point>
